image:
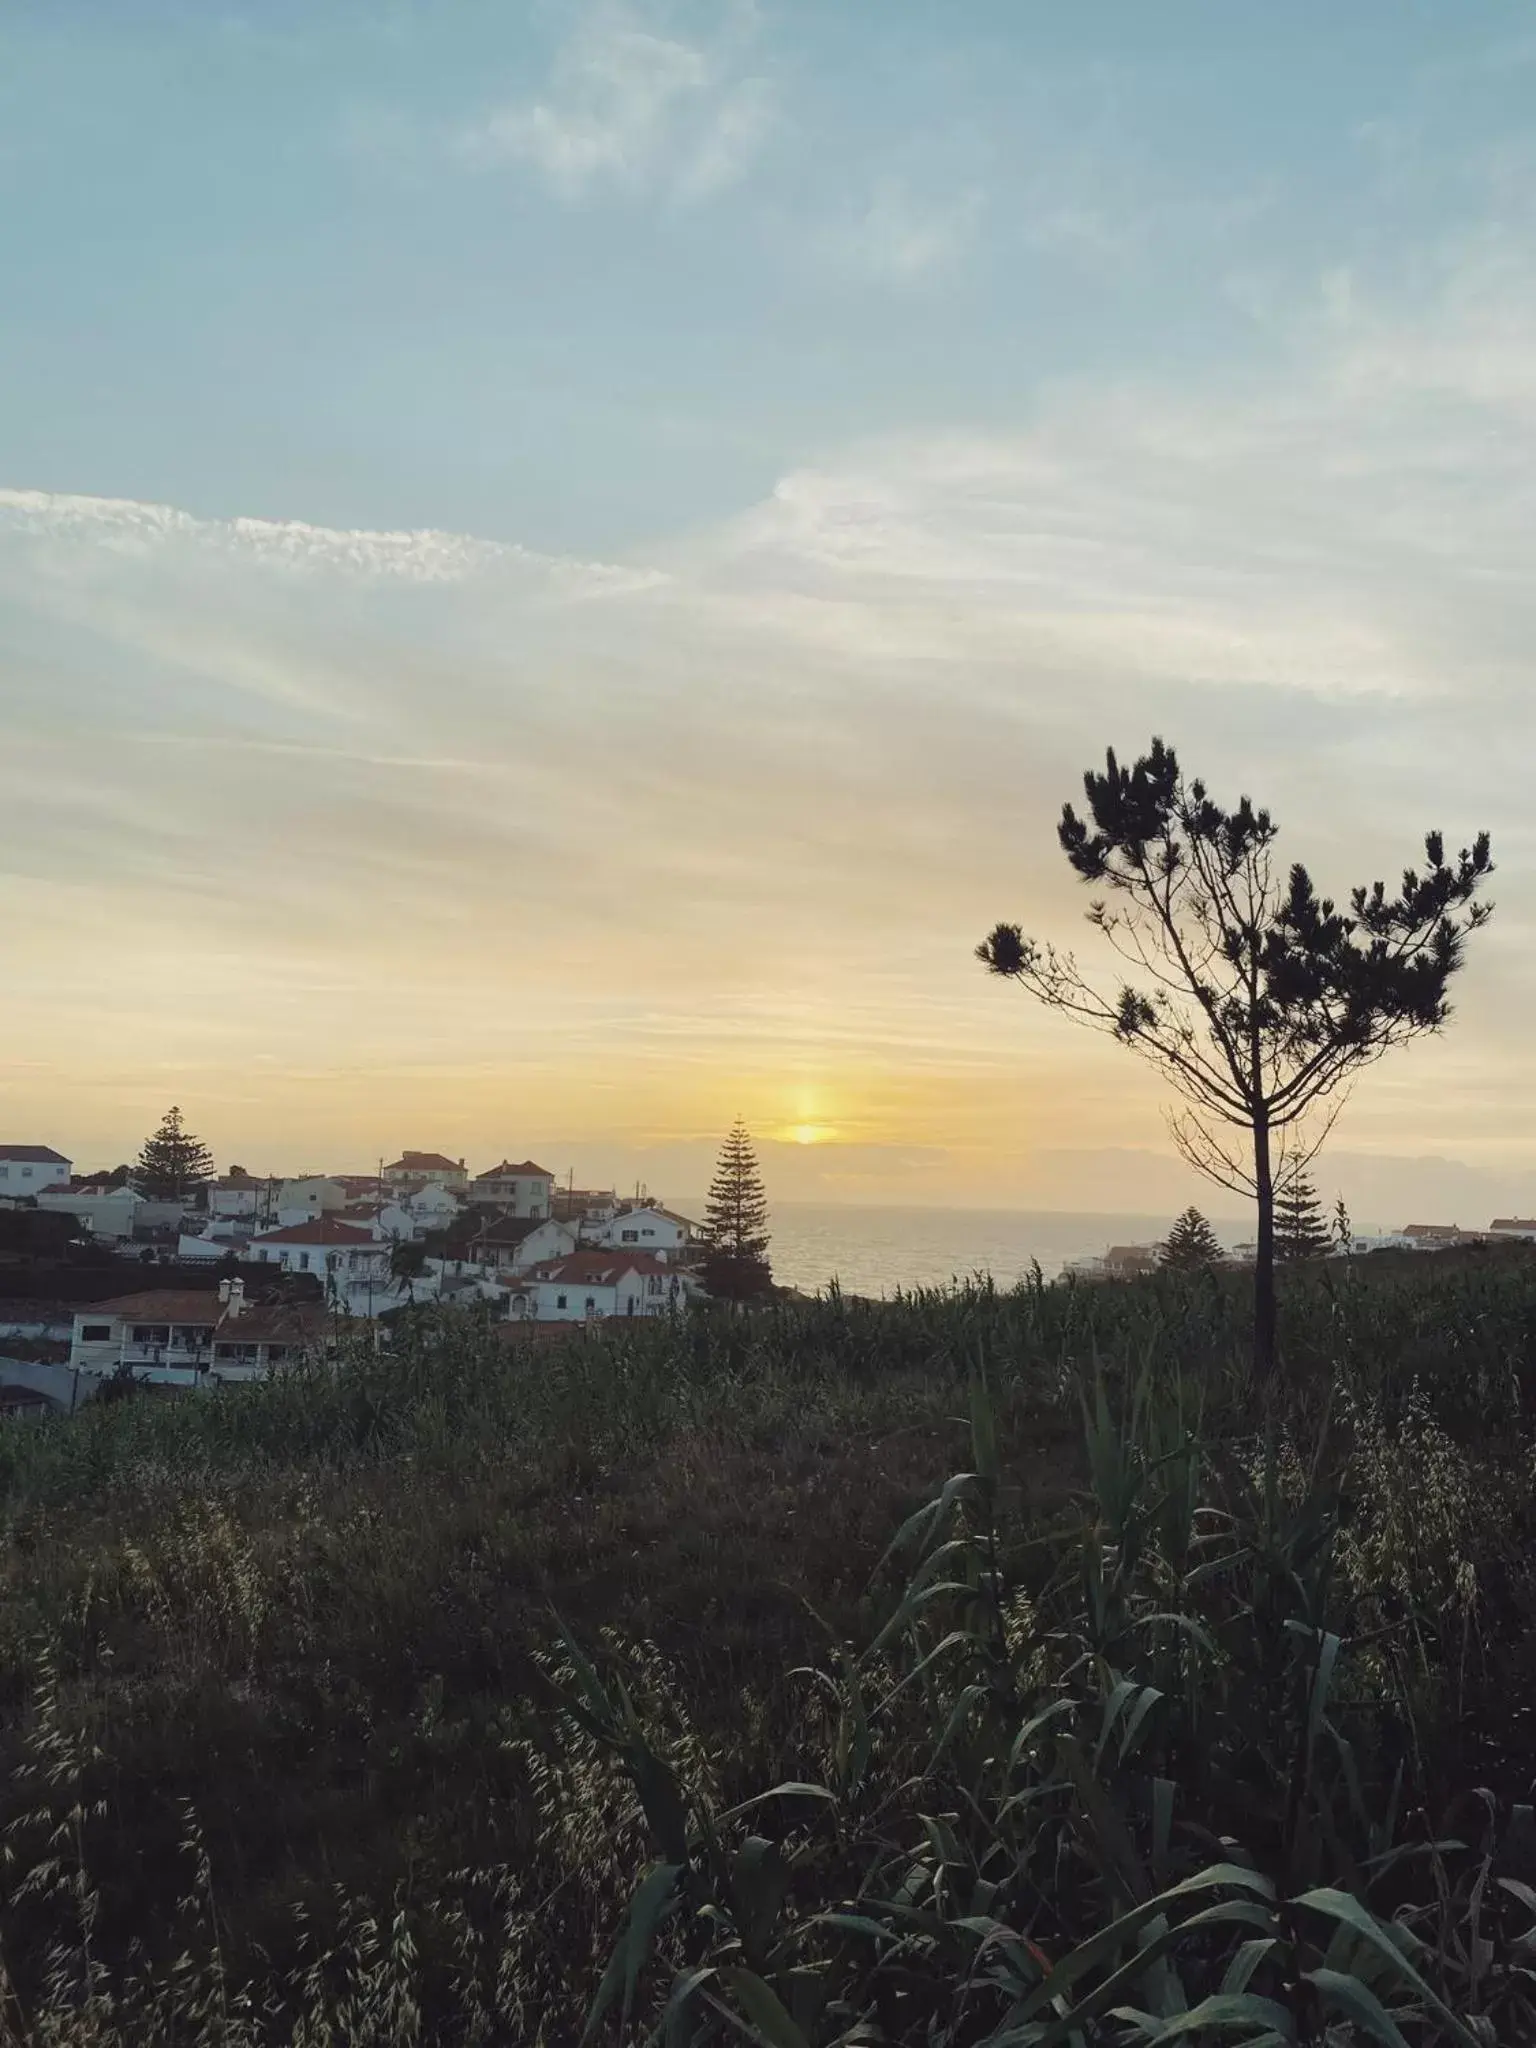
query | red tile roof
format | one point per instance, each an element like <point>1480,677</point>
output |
<point>278,1323</point>
<point>33,1155</point>
<point>508,1230</point>
<point>430,1162</point>
<point>507,1170</point>
<point>160,1305</point>
<point>321,1230</point>
<point>598,1269</point>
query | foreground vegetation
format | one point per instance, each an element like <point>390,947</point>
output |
<point>481,1693</point>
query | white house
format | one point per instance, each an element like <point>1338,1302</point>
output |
<point>432,1207</point>
<point>659,1231</point>
<point>513,1244</point>
<point>113,1216</point>
<point>412,1168</point>
<point>348,1258</point>
<point>175,1337</point>
<point>214,1243</point>
<point>592,1285</point>
<point>524,1189</point>
<point>28,1169</point>
<point>238,1196</point>
<point>301,1201</point>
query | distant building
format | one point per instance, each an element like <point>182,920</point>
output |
<point>1513,1226</point>
<point>511,1244</point>
<point>300,1201</point>
<point>350,1260</point>
<point>1434,1237</point>
<point>1128,1261</point>
<point>416,1168</point>
<point>525,1189</point>
<point>28,1169</point>
<point>114,1217</point>
<point>662,1232</point>
<point>594,1286</point>
<point>584,1205</point>
<point>238,1196</point>
<point>176,1337</point>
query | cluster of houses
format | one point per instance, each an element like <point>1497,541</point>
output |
<point>419,1230</point>
<point>1127,1261</point>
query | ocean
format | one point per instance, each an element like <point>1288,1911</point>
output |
<point>875,1251</point>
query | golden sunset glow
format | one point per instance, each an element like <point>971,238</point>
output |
<point>519,730</point>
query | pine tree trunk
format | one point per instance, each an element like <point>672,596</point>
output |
<point>1264,1257</point>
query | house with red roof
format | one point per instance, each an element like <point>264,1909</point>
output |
<point>351,1260</point>
<point>188,1337</point>
<point>520,1187</point>
<point>25,1170</point>
<point>415,1169</point>
<point>594,1286</point>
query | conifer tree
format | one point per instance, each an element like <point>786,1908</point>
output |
<point>173,1165</point>
<point>1192,1245</point>
<point>736,1224</point>
<point>1257,998</point>
<point>1300,1231</point>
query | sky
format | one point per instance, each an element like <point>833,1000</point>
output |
<point>558,563</point>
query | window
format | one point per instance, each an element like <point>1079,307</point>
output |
<point>276,1353</point>
<point>26,1173</point>
<point>591,1304</point>
<point>151,1333</point>
<point>629,1305</point>
<point>647,1233</point>
<point>96,1333</point>
<point>629,1237</point>
<point>653,1284</point>
<point>303,1262</point>
<point>559,1301</point>
<point>235,1354</point>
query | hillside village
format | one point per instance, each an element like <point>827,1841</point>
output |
<point>251,1272</point>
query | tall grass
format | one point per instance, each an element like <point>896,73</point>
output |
<point>453,1695</point>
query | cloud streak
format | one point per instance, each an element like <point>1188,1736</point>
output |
<point>129,528</point>
<point>629,110</point>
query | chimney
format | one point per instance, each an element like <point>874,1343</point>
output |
<point>235,1296</point>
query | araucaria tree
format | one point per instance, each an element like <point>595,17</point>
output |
<point>1254,996</point>
<point>1192,1245</point>
<point>1301,1230</point>
<point>736,1224</point>
<point>173,1165</point>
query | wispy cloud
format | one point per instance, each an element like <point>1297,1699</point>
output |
<point>629,109</point>
<point>423,555</point>
<point>903,235</point>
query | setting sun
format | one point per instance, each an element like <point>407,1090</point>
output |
<point>810,1134</point>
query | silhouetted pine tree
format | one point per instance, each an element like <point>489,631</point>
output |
<point>1300,1230</point>
<point>1258,998</point>
<point>1192,1245</point>
<point>173,1165</point>
<point>736,1224</point>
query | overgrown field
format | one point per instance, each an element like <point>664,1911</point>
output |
<point>978,1667</point>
